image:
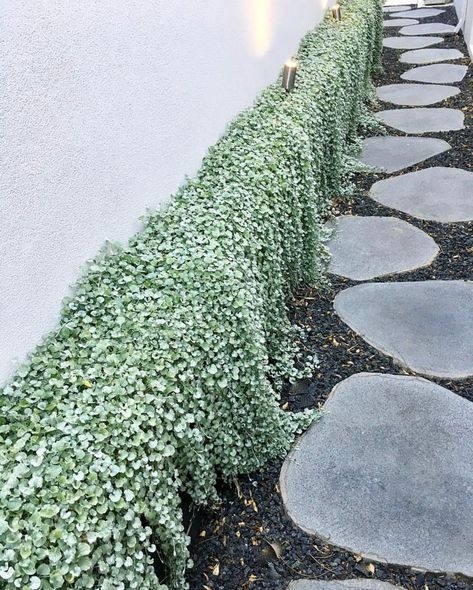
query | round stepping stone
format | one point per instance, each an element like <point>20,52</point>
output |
<point>425,56</point>
<point>399,3</point>
<point>411,42</point>
<point>356,584</point>
<point>396,8</point>
<point>399,22</point>
<point>364,248</point>
<point>387,473</point>
<point>415,94</point>
<point>427,29</point>
<point>419,13</point>
<point>421,120</point>
<point>390,154</point>
<point>425,326</point>
<point>436,194</point>
<point>436,73</point>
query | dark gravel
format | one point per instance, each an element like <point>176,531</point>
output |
<point>248,542</point>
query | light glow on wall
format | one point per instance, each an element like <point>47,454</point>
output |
<point>259,17</point>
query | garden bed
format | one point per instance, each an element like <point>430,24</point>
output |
<point>165,369</point>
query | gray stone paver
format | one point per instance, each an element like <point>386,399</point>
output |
<point>363,248</point>
<point>437,194</point>
<point>426,326</point>
<point>399,22</point>
<point>436,74</point>
<point>354,584</point>
<point>387,473</point>
<point>427,29</point>
<point>411,42</point>
<point>426,56</point>
<point>390,154</point>
<point>423,120</point>
<point>419,13</point>
<point>395,8</point>
<point>415,94</point>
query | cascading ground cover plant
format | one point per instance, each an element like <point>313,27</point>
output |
<point>164,370</point>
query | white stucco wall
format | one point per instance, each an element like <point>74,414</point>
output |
<point>461,5</point>
<point>106,105</point>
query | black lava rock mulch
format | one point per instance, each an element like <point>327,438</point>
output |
<point>248,542</point>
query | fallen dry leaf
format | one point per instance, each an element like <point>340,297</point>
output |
<point>216,569</point>
<point>276,547</point>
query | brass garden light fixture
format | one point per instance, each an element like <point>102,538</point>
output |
<point>289,74</point>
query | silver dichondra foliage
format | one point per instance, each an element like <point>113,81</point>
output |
<point>164,369</point>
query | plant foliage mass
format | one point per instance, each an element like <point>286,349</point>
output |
<point>164,369</point>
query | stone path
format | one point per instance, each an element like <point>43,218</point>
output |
<point>364,248</point>
<point>399,22</point>
<point>388,472</point>
<point>422,120</point>
<point>390,154</point>
<point>419,13</point>
<point>426,56</point>
<point>427,29</point>
<point>436,73</point>
<point>411,42</point>
<point>395,8</point>
<point>415,94</point>
<point>341,585</point>
<point>425,326</point>
<point>438,194</point>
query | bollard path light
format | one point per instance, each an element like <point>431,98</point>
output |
<point>337,12</point>
<point>289,74</point>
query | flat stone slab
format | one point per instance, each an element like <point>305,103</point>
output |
<point>396,8</point>
<point>364,248</point>
<point>411,42</point>
<point>399,22</point>
<point>415,94</point>
<point>423,120</point>
<point>399,3</point>
<point>355,584</point>
<point>427,29</point>
<point>388,473</point>
<point>425,326</point>
<point>436,73</point>
<point>425,56</point>
<point>437,194</point>
<point>419,13</point>
<point>390,154</point>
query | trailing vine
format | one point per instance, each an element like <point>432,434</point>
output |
<point>164,370</point>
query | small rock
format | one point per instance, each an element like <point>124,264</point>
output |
<point>273,574</point>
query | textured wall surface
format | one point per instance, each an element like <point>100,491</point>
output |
<point>106,107</point>
<point>466,6</point>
